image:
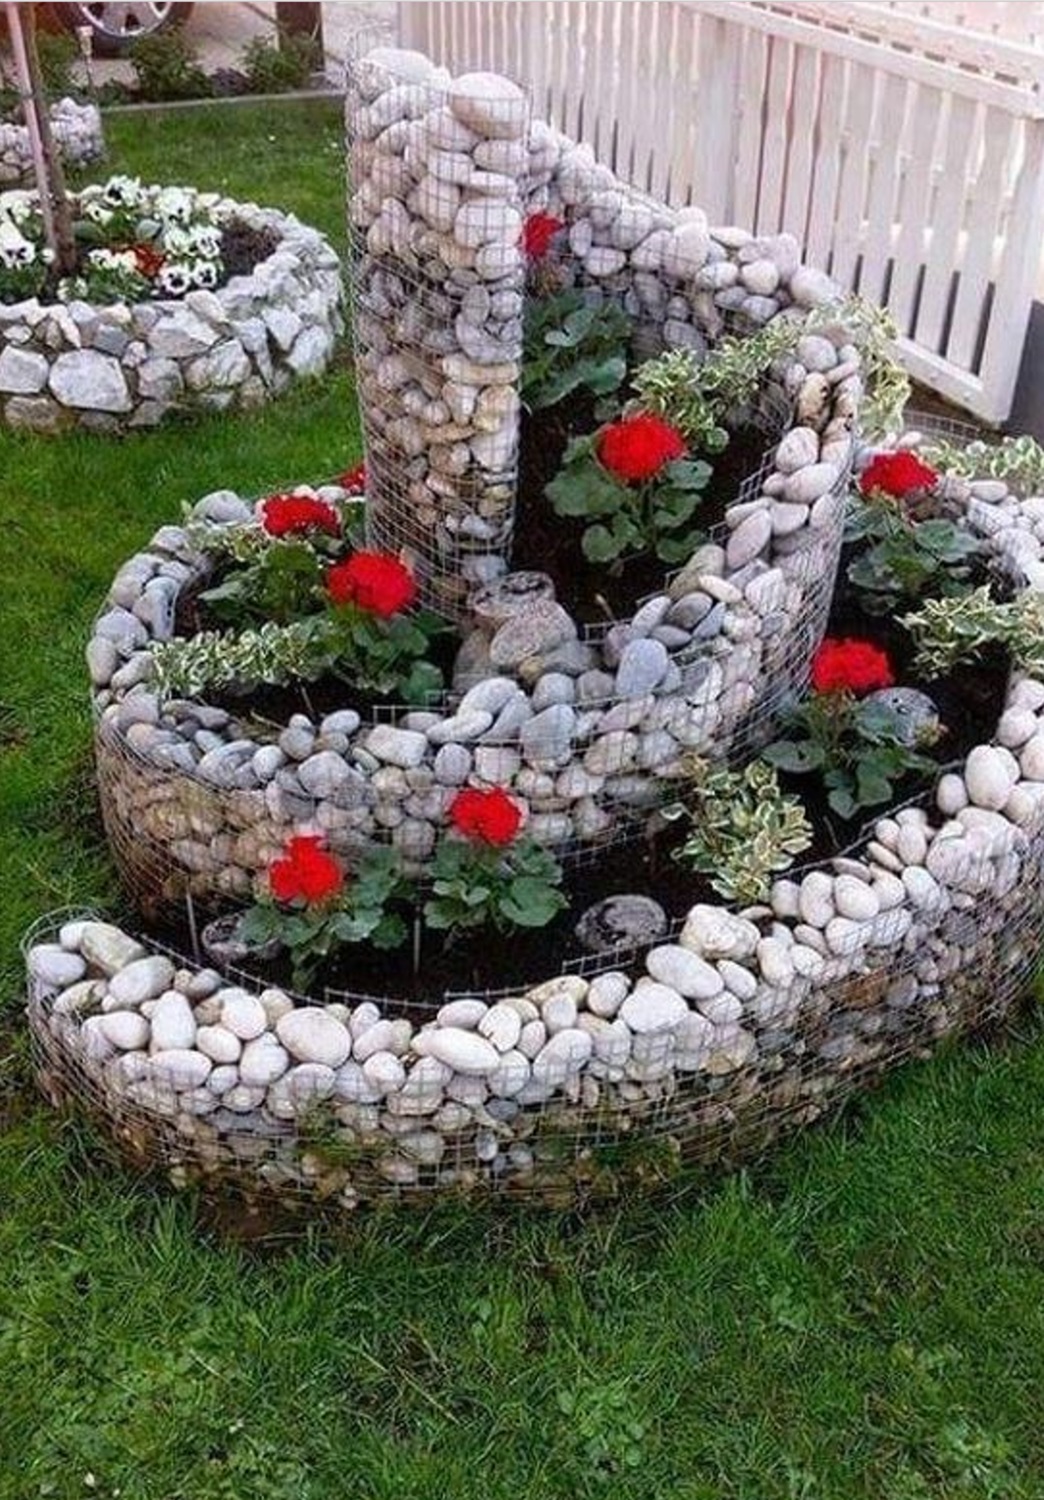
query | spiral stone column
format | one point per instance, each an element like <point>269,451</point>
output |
<point>437,173</point>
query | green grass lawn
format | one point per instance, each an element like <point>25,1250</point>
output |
<point>862,1318</point>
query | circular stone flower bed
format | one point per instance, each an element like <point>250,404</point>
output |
<point>181,300</point>
<point>762,995</point>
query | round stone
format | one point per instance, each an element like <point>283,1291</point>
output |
<point>684,971</point>
<point>855,899</point>
<point>55,968</point>
<point>173,1024</point>
<point>126,1029</point>
<point>463,1051</point>
<point>489,105</point>
<point>217,1043</point>
<point>990,772</point>
<point>242,1014</point>
<point>713,932</point>
<point>652,1007</point>
<point>263,1061</point>
<point>312,1035</point>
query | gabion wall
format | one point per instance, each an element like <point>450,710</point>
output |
<point>77,131</point>
<point>705,1046</point>
<point>584,727</point>
<point>116,366</point>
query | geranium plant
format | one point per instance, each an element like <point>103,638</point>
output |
<point>485,873</point>
<point>311,906</point>
<point>572,344</point>
<point>858,744</point>
<point>915,550</point>
<point>635,483</point>
<point>283,571</point>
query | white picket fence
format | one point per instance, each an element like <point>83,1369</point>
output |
<point>904,152</point>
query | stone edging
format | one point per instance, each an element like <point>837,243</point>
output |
<point>716,1041</point>
<point>113,367</point>
<point>77,129</point>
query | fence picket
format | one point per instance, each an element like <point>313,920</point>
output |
<point>944,226</point>
<point>804,105</point>
<point>884,189</point>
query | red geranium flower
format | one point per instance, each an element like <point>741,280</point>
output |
<point>487,817</point>
<point>305,871</point>
<point>635,448</point>
<point>289,515</point>
<point>148,260</point>
<point>354,480</point>
<point>897,474</point>
<point>375,581</point>
<point>537,233</point>
<point>847,666</point>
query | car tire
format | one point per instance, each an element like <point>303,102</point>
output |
<point>116,27</point>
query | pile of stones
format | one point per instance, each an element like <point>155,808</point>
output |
<point>114,366</point>
<point>77,132</point>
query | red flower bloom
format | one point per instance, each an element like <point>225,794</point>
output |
<point>537,233</point>
<point>354,480</point>
<point>897,474</point>
<point>148,260</point>
<point>289,515</point>
<point>305,872</point>
<point>635,448</point>
<point>487,817</point>
<point>850,667</point>
<point>375,581</point>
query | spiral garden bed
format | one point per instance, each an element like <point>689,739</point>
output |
<point>119,363</point>
<point>703,1044</point>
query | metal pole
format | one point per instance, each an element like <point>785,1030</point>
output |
<point>32,121</point>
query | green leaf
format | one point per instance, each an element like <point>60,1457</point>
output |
<point>797,756</point>
<point>687,473</point>
<point>530,902</point>
<point>599,545</point>
<point>843,803</point>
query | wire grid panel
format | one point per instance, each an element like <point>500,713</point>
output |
<point>606,1123</point>
<point>436,215</point>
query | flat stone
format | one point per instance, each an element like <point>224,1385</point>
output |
<point>142,980</point>
<point>22,372</point>
<point>749,539</point>
<point>107,948</point>
<point>396,747</point>
<point>490,105</point>
<point>126,1029</point>
<point>532,631</point>
<point>180,1068</point>
<point>89,381</point>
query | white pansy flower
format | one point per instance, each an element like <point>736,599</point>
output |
<point>174,204</point>
<point>123,192</point>
<point>15,249</point>
<point>204,273</point>
<point>175,279</point>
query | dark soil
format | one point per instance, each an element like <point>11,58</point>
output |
<point>550,543</point>
<point>243,248</point>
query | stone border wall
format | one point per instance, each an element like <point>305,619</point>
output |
<point>707,1045</point>
<point>112,367</point>
<point>77,129</point>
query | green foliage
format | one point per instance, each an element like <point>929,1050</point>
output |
<point>167,67</point>
<point>629,520</point>
<point>1019,461</point>
<point>700,397</point>
<point>572,344</point>
<point>383,657</point>
<point>949,631</point>
<point>59,57</point>
<point>908,559</point>
<point>855,746</point>
<point>274,65</point>
<point>611,1434</point>
<point>743,828</point>
<point>364,912</point>
<point>886,385</point>
<point>475,885</point>
<point>283,583</point>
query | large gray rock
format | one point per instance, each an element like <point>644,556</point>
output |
<point>90,381</point>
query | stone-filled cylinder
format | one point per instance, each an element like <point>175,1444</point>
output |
<point>436,200</point>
